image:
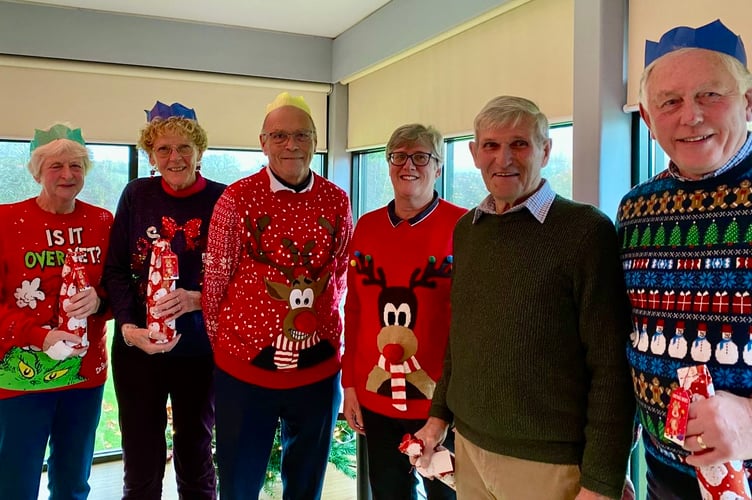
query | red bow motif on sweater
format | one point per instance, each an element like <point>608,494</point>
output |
<point>191,230</point>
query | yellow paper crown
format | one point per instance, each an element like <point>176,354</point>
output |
<point>285,99</point>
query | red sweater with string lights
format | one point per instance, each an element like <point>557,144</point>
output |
<point>275,277</point>
<point>398,298</point>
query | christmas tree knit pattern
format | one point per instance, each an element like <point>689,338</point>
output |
<point>687,259</point>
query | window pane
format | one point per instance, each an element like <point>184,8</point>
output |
<point>559,168</point>
<point>107,177</point>
<point>375,188</point>
<point>464,183</point>
<point>17,184</point>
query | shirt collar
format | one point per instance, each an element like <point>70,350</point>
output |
<point>396,220</point>
<point>277,186</point>
<point>743,152</point>
<point>539,204</point>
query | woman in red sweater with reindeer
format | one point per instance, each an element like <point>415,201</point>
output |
<point>397,311</point>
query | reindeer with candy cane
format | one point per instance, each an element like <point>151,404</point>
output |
<point>398,374</point>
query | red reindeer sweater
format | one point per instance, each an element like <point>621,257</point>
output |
<point>397,310</point>
<point>275,276</point>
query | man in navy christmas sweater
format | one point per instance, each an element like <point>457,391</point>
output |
<point>686,254</point>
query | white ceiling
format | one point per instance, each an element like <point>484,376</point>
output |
<point>325,18</point>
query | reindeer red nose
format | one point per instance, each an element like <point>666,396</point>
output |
<point>393,353</point>
<point>305,322</point>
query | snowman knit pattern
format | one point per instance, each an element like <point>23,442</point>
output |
<point>687,259</point>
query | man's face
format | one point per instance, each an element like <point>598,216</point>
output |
<point>695,111</point>
<point>510,161</point>
<point>289,159</point>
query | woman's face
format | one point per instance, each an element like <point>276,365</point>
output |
<point>62,178</point>
<point>176,157</point>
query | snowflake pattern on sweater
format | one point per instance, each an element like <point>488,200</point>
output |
<point>687,259</point>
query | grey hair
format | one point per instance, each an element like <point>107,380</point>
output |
<point>415,133</point>
<point>512,110</point>
<point>57,148</point>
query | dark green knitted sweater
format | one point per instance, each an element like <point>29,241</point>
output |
<point>536,365</point>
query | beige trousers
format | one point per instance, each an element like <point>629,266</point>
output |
<point>483,475</point>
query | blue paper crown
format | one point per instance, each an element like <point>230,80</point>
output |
<point>164,111</point>
<point>713,36</point>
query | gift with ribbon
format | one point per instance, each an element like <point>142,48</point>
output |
<point>720,481</point>
<point>74,279</point>
<point>163,275</point>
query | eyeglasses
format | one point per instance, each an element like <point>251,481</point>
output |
<point>281,137</point>
<point>418,159</point>
<point>166,151</point>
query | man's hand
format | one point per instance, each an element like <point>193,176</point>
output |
<point>719,430</point>
<point>351,409</point>
<point>83,304</point>
<point>432,434</point>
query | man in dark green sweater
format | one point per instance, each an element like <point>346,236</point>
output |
<point>536,378</point>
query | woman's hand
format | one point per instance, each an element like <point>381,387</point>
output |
<point>176,303</point>
<point>58,345</point>
<point>142,338</point>
<point>351,409</point>
<point>83,304</point>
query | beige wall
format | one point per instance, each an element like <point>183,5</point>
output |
<point>649,19</point>
<point>526,51</point>
<point>107,101</point>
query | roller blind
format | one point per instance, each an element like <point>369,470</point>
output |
<point>108,101</point>
<point>527,51</point>
<point>649,19</point>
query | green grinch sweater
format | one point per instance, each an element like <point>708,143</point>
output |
<point>540,321</point>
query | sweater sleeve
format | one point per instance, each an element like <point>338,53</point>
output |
<point>604,329</point>
<point>222,257</point>
<point>117,277</point>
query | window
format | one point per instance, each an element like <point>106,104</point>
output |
<point>461,182</point>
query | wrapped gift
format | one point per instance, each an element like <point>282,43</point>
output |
<point>717,482</point>
<point>163,274</point>
<point>441,466</point>
<point>74,279</point>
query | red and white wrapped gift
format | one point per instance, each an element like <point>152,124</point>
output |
<point>442,460</point>
<point>727,481</point>
<point>74,279</point>
<point>163,274</point>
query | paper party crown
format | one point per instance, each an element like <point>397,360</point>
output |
<point>713,36</point>
<point>164,111</point>
<point>285,99</point>
<point>59,131</point>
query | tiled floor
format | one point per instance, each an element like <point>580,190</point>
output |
<point>107,484</point>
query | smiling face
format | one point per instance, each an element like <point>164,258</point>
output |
<point>291,159</point>
<point>178,169</point>
<point>694,109</point>
<point>412,184</point>
<point>62,178</point>
<point>510,160</point>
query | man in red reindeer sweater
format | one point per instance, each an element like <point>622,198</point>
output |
<point>275,275</point>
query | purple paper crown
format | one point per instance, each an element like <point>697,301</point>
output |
<point>164,111</point>
<point>713,36</point>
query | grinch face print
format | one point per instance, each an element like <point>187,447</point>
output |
<point>27,370</point>
<point>397,373</point>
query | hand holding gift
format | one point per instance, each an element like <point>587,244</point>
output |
<point>441,465</point>
<point>163,274</point>
<point>714,428</point>
<point>77,300</point>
